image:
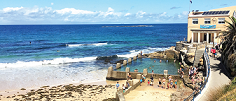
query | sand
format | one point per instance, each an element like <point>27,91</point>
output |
<point>93,91</point>
<point>146,92</point>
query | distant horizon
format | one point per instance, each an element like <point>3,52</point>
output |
<point>99,24</point>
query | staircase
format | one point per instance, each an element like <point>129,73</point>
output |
<point>198,54</point>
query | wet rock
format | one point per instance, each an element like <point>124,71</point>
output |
<point>22,89</point>
<point>16,99</point>
<point>170,54</point>
<point>44,87</point>
<point>30,93</point>
<point>107,59</point>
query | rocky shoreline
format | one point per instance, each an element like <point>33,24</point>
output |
<point>84,92</point>
<point>66,92</point>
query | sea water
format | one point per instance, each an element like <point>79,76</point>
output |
<point>38,55</point>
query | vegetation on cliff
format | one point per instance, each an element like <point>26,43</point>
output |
<point>229,46</point>
<point>226,93</point>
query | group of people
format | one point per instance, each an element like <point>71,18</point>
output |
<point>124,86</point>
<point>196,80</point>
<point>214,50</point>
<point>170,83</point>
<point>163,83</point>
<point>181,72</point>
<point>142,79</point>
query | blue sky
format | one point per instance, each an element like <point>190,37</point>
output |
<point>102,11</point>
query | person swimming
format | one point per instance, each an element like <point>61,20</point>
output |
<point>160,61</point>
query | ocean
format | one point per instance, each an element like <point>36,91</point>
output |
<point>38,55</point>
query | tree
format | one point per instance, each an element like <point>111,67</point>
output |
<point>229,36</point>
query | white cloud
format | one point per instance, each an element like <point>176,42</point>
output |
<point>9,9</point>
<point>127,14</point>
<point>185,13</point>
<point>52,3</point>
<point>73,11</point>
<point>140,14</point>
<point>163,14</point>
<point>110,9</point>
<point>47,15</point>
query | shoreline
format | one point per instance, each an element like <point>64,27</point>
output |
<point>107,86</point>
<point>4,94</point>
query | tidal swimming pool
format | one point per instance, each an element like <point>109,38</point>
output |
<point>153,64</point>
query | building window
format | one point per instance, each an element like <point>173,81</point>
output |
<point>195,21</point>
<point>221,20</point>
<point>207,21</point>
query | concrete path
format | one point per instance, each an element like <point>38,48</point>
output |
<point>217,78</point>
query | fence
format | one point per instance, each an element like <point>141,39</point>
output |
<point>197,92</point>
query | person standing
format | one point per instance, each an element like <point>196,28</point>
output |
<point>175,83</point>
<point>117,85</point>
<point>163,82</point>
<point>123,88</point>
<point>159,82</point>
<point>128,76</point>
<point>141,82</point>
<point>214,52</point>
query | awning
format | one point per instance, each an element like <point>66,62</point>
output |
<point>205,30</point>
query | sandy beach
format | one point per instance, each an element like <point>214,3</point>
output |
<point>93,91</point>
<point>81,92</point>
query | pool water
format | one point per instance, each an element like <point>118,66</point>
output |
<point>156,66</point>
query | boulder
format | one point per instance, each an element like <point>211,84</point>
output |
<point>172,48</point>
<point>170,54</point>
<point>151,56</point>
<point>145,55</point>
<point>189,58</point>
<point>156,55</point>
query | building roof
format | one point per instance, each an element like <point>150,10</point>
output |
<point>227,11</point>
<point>215,12</point>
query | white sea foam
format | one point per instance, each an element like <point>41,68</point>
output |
<point>93,44</point>
<point>16,78</point>
<point>133,53</point>
<point>56,61</point>
<point>74,45</point>
<point>99,44</point>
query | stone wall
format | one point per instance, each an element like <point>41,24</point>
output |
<point>178,46</point>
<point>121,75</point>
<point>135,85</point>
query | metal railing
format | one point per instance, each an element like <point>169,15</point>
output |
<point>202,86</point>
